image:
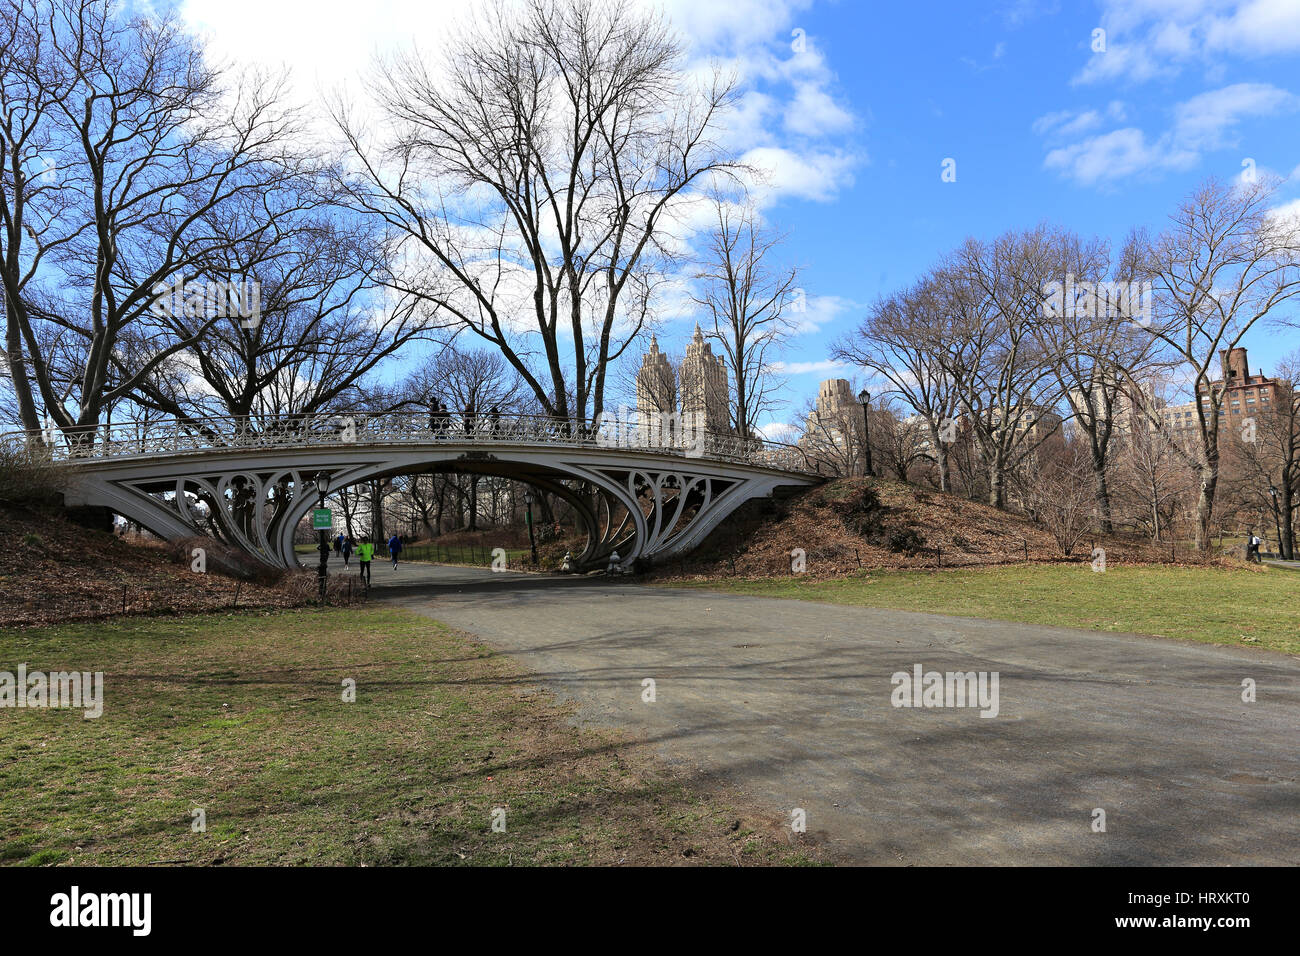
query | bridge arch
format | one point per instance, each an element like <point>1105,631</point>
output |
<point>650,501</point>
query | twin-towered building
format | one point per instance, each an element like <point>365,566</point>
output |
<point>698,389</point>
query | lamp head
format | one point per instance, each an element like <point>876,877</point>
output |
<point>864,397</point>
<point>322,480</point>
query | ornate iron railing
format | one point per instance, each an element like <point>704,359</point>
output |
<point>149,439</point>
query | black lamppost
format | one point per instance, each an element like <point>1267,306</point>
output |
<point>322,489</point>
<point>532,541</point>
<point>1277,524</point>
<point>864,398</point>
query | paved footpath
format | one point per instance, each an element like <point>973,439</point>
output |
<point>790,702</point>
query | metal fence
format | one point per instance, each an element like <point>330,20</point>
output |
<point>470,555</point>
<point>148,439</point>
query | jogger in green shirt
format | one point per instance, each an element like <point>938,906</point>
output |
<point>365,554</point>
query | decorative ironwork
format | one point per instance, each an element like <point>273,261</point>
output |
<point>650,494</point>
<point>179,436</point>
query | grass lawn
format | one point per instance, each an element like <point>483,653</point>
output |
<point>1217,606</point>
<point>242,715</point>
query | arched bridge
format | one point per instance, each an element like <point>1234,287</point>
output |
<point>647,493</point>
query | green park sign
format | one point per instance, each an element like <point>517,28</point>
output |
<point>322,519</point>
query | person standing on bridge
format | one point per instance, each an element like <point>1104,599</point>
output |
<point>394,549</point>
<point>365,554</point>
<point>469,417</point>
<point>494,421</point>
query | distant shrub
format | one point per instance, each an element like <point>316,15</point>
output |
<point>862,513</point>
<point>906,541</point>
<point>27,476</point>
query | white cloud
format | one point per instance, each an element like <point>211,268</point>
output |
<point>787,118</point>
<point>1063,124</point>
<point>1146,39</point>
<point>1206,120</point>
<point>813,112</point>
<point>780,432</point>
<point>807,368</point>
<point>1114,155</point>
<point>1204,123</point>
<point>818,310</point>
<point>812,175</point>
<point>1288,213</point>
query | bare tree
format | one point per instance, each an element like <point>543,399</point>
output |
<point>150,144</point>
<point>986,343</point>
<point>896,341</point>
<point>832,439</point>
<point>1270,455</point>
<point>898,441</point>
<point>319,332</point>
<point>746,299</point>
<point>1059,494</point>
<point>475,384</point>
<point>531,177</point>
<point>1224,264</point>
<point>1093,337</point>
<point>1148,477</point>
<point>35,192</point>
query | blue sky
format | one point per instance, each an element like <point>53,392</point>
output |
<point>852,108</point>
<point>1037,127</point>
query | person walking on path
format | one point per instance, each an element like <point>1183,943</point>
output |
<point>365,554</point>
<point>394,549</point>
<point>1252,549</point>
<point>347,550</point>
<point>338,545</point>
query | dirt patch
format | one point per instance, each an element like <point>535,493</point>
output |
<point>52,571</point>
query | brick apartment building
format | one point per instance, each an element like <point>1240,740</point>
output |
<point>1245,395</point>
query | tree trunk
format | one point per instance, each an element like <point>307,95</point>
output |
<point>1205,505</point>
<point>1102,493</point>
<point>997,491</point>
<point>19,381</point>
<point>473,503</point>
<point>1288,534</point>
